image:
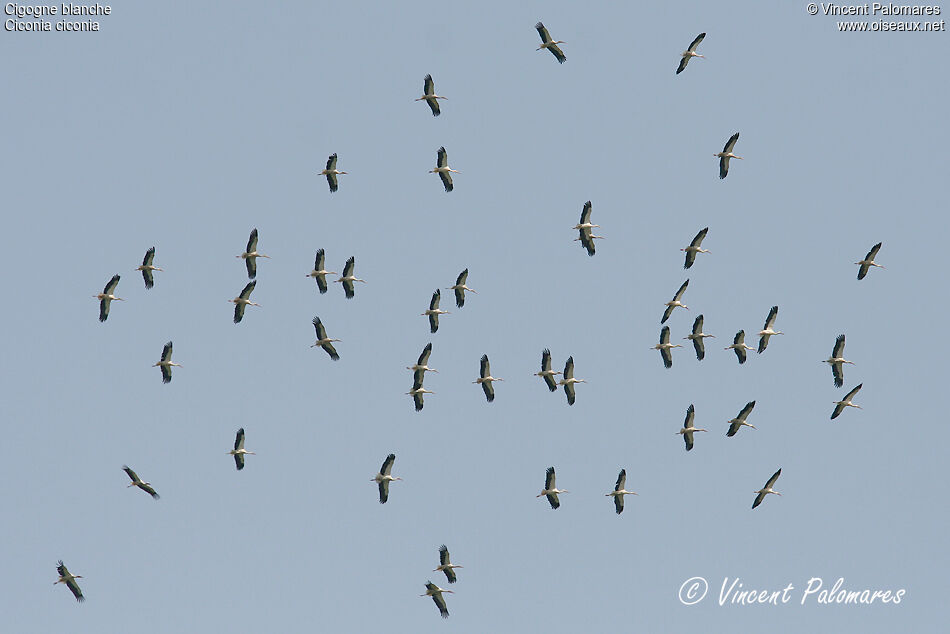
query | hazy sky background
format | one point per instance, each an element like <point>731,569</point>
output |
<point>185,125</point>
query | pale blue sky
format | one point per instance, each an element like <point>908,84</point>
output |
<point>184,126</point>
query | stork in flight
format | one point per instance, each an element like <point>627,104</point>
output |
<point>868,261</point>
<point>695,247</point>
<point>846,402</point>
<point>347,279</point>
<point>107,296</point>
<point>620,491</point>
<point>433,311</point>
<point>546,372</point>
<point>239,451</point>
<point>443,170</point>
<point>147,267</point>
<point>486,379</point>
<point>417,390</point>
<point>250,255</point>
<point>429,96</point>
<point>690,53</point>
<point>319,272</point>
<point>761,493</point>
<point>548,43</point>
<point>550,489</point>
<point>697,338</point>
<point>689,427</point>
<point>70,580</point>
<point>435,592</point>
<point>675,302</point>
<point>242,301</point>
<point>665,346</point>
<point>384,477</point>
<point>768,329</point>
<point>421,366</point>
<point>137,482</point>
<point>323,340</point>
<point>445,564</point>
<point>568,380</point>
<point>331,172</point>
<point>460,288</point>
<point>738,344</point>
<point>166,363</point>
<point>584,228</point>
<point>739,421</point>
<point>837,361</point>
<point>727,154</point>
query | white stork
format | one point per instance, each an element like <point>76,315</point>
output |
<point>697,338</point>
<point>434,311</point>
<point>384,477</point>
<point>347,279</point>
<point>106,296</point>
<point>620,491</point>
<point>445,564</point>
<point>242,301</point>
<point>546,372</point>
<point>739,421</point>
<point>768,329</point>
<point>435,592</point>
<point>690,53</point>
<point>460,288</point>
<point>70,580</point>
<point>584,228</point>
<point>675,302</point>
<point>665,346</point>
<point>429,96</point>
<point>761,493</point>
<point>548,43</point>
<point>868,261</point>
<point>738,344</point>
<point>837,361</point>
<point>147,267</point>
<point>422,365</point>
<point>137,482</point>
<point>695,247</point>
<point>319,272</point>
<point>239,451</point>
<point>727,154</point>
<point>166,363</point>
<point>568,380</point>
<point>689,427</point>
<point>486,379</point>
<point>443,170</point>
<point>846,402</point>
<point>323,341</point>
<point>331,172</point>
<point>550,490</point>
<point>250,255</point>
<point>417,390</point>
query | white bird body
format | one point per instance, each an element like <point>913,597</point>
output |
<point>107,296</point>
<point>688,427</point>
<point>239,451</point>
<point>846,402</point>
<point>550,490</point>
<point>740,421</point>
<point>727,154</point>
<point>676,302</point>
<point>584,228</point>
<point>422,365</point>
<point>319,272</point>
<point>384,477</point>
<point>323,340</point>
<point>348,278</point>
<point>620,490</point>
<point>550,44</point>
<point>243,300</point>
<point>165,363</point>
<point>546,372</point>
<point>568,380</point>
<point>147,268</point>
<point>251,254</point>
<point>69,579</point>
<point>697,337</point>
<point>430,97</point>
<point>443,170</point>
<point>434,311</point>
<point>138,482</point>
<point>446,565</point>
<point>486,379</point>
<point>695,247</point>
<point>690,53</point>
<point>837,361</point>
<point>768,330</point>
<point>761,493</point>
<point>665,346</point>
<point>459,287</point>
<point>331,172</point>
<point>435,592</point>
<point>738,344</point>
<point>868,261</point>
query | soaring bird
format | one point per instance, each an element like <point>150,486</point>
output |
<point>486,379</point>
<point>738,344</point>
<point>250,255</point>
<point>868,261</point>
<point>147,268</point>
<point>323,341</point>
<point>690,53</point>
<point>761,493</point>
<point>846,402</point>
<point>106,296</point>
<point>347,279</point>
<point>429,96</point>
<point>166,363</point>
<point>568,380</point>
<point>460,288</point>
<point>319,272</point>
<point>137,482</point>
<point>695,247</point>
<point>443,170</point>
<point>417,390</point>
<point>546,372</point>
<point>665,346</point>
<point>697,338</point>
<point>70,580</point>
<point>689,428</point>
<point>675,302</point>
<point>435,592</point>
<point>739,421</point>
<point>331,172</point>
<point>768,329</point>
<point>242,301</point>
<point>837,361</point>
<point>548,43</point>
<point>445,565</point>
<point>433,311</point>
<point>384,477</point>
<point>421,366</point>
<point>239,451</point>
<point>550,490</point>
<point>727,154</point>
<point>620,491</point>
<point>584,228</point>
